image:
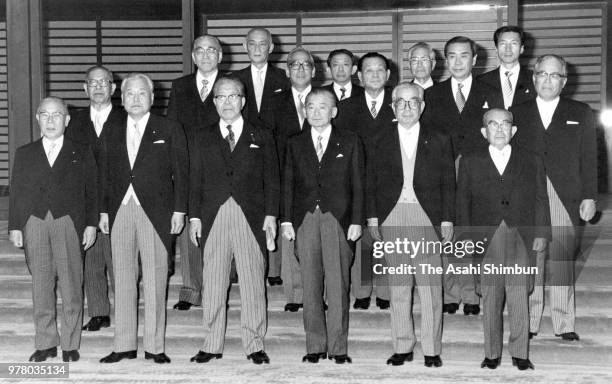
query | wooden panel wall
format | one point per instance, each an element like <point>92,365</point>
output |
<point>575,32</point>
<point>4,149</point>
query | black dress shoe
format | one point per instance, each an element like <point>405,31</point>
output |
<point>159,358</point>
<point>471,309</point>
<point>570,336</point>
<point>205,357</point>
<point>43,354</point>
<point>532,334</point>
<point>490,363</point>
<point>341,359</point>
<point>433,361</point>
<point>399,358</point>
<point>118,356</point>
<point>522,364</point>
<point>97,322</point>
<point>293,307</point>
<point>70,356</point>
<point>182,305</point>
<point>450,308</point>
<point>362,303</point>
<point>275,280</point>
<point>314,357</point>
<point>259,357</point>
<point>382,303</point>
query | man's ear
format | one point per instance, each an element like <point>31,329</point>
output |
<point>271,48</point>
<point>474,60</point>
<point>334,112</point>
<point>353,70</point>
<point>513,131</point>
<point>484,132</point>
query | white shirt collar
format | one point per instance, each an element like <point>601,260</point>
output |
<point>500,157</point>
<point>141,124</point>
<point>547,110</point>
<point>409,138</point>
<point>348,88</point>
<point>427,84</point>
<point>325,136</point>
<point>237,127</point>
<point>467,86</point>
<point>211,80</point>
<point>513,78</point>
<point>255,71</point>
<point>59,143</point>
<point>304,93</point>
<point>379,100</point>
<point>103,113</point>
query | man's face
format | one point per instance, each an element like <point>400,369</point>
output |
<point>374,74</point>
<point>420,63</point>
<point>99,87</point>
<point>549,79</point>
<point>459,60</point>
<point>300,70</point>
<point>258,47</point>
<point>137,98</point>
<point>499,129</point>
<point>509,48</point>
<point>320,110</point>
<point>341,68</point>
<point>52,119</point>
<point>229,101</point>
<point>408,106</point>
<point>206,54</point>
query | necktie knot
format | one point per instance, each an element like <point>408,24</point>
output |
<point>343,93</point>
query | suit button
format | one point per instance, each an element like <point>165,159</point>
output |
<point>132,177</point>
<point>501,179</point>
<point>320,185</point>
<point>229,174</point>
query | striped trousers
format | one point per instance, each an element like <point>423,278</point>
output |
<point>53,250</point>
<point>98,263</point>
<point>133,234</point>
<point>409,221</point>
<point>229,236</point>
<point>556,265</point>
<point>506,248</point>
<point>191,269</point>
<point>363,282</point>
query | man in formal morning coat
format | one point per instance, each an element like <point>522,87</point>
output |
<point>501,195</point>
<point>455,107</point>
<point>562,131</point>
<point>53,201</point>
<point>144,167</point>
<point>89,126</point>
<point>411,195</point>
<point>510,81</point>
<point>191,104</point>
<point>234,199</point>
<point>422,60</point>
<point>367,115</point>
<point>323,198</point>
<point>341,66</point>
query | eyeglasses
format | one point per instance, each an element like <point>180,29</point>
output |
<point>296,65</point>
<point>209,51</point>
<point>552,76</point>
<point>46,115</point>
<point>232,98</point>
<point>98,83</point>
<point>495,125</point>
<point>412,104</point>
<point>417,60</point>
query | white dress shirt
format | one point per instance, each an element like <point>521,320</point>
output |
<point>467,87</point>
<point>258,82</point>
<point>409,138</point>
<point>348,88</point>
<point>130,138</point>
<point>237,126</point>
<point>56,144</point>
<point>211,81</point>
<point>379,101</point>
<point>427,84</point>
<point>99,117</point>
<point>514,72</point>
<point>500,157</point>
<point>296,101</point>
<point>547,109</point>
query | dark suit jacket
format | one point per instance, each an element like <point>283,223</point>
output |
<point>355,91</point>
<point>282,118</point>
<point>67,188</point>
<point>186,107</point>
<point>441,113</point>
<point>81,129</point>
<point>159,176</point>
<point>518,196</point>
<point>249,174</point>
<point>434,175</point>
<point>336,184</point>
<point>524,85</point>
<point>568,147</point>
<point>276,82</point>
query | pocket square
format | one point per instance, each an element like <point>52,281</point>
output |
<point>278,90</point>
<point>159,142</point>
<point>254,146</point>
<point>572,122</point>
<point>527,90</point>
<point>339,156</point>
<point>485,105</point>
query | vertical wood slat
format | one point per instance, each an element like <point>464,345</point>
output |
<point>4,128</point>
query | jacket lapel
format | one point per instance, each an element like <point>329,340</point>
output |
<point>146,142</point>
<point>557,123</point>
